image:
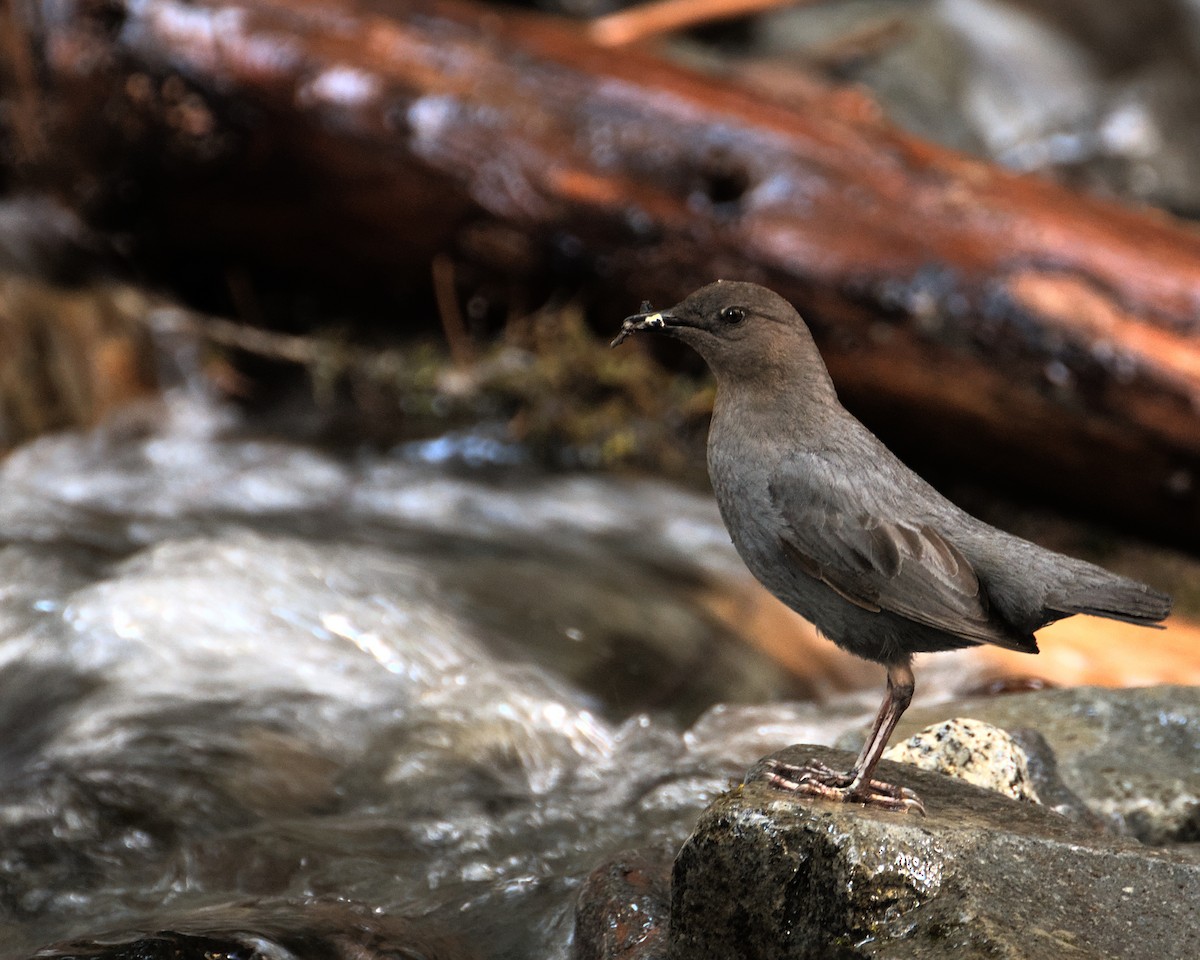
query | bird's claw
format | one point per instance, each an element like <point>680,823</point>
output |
<point>815,779</point>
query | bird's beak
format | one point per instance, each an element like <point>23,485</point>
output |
<point>648,319</point>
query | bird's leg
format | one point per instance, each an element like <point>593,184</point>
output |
<point>900,684</point>
<point>816,779</point>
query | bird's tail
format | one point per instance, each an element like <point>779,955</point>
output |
<point>1114,597</point>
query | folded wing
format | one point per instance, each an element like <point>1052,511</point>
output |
<point>900,565</point>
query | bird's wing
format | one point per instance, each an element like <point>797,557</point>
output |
<point>906,567</point>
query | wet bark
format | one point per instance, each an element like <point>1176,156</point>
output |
<point>1026,328</point>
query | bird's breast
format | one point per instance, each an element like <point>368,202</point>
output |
<point>740,470</point>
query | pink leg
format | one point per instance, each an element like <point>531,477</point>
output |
<point>817,780</point>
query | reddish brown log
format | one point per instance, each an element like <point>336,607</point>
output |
<point>1034,330</point>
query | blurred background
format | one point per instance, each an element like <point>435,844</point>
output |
<point>322,485</point>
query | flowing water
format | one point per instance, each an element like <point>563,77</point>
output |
<point>247,675</point>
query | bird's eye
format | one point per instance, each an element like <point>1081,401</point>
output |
<point>733,314</point>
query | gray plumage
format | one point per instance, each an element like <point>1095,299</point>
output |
<point>835,526</point>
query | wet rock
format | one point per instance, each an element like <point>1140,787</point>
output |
<point>1129,755</point>
<point>1042,765</point>
<point>970,750</point>
<point>159,946</point>
<point>767,875</point>
<point>258,931</point>
<point>624,908</point>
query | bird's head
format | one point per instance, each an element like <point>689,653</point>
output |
<point>746,333</point>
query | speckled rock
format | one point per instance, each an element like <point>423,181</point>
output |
<point>1129,755</point>
<point>970,750</point>
<point>767,875</point>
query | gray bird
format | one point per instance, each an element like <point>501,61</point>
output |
<point>835,526</point>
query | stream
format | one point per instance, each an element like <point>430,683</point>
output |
<point>244,678</point>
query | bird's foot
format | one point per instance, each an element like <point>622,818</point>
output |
<point>814,779</point>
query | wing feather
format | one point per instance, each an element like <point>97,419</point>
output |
<point>901,565</point>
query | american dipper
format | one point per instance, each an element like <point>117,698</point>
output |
<point>833,524</point>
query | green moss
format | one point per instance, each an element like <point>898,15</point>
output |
<point>562,392</point>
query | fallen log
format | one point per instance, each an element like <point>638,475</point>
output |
<point>1027,329</point>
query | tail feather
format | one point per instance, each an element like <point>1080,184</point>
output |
<point>1115,599</point>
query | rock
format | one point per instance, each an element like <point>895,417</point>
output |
<point>1129,755</point>
<point>624,908</point>
<point>768,875</point>
<point>1042,765</point>
<point>265,928</point>
<point>973,751</point>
